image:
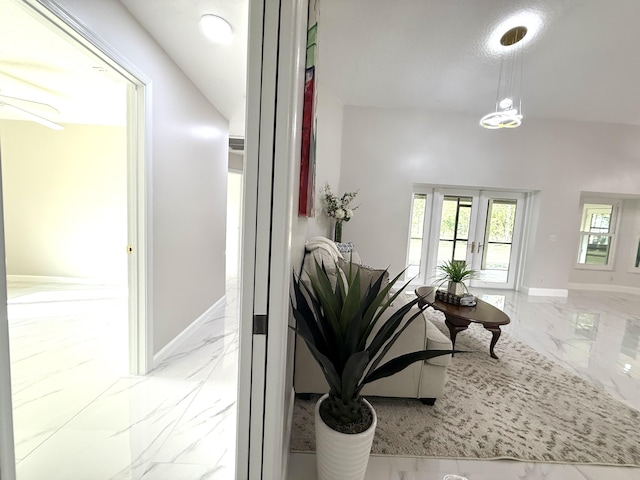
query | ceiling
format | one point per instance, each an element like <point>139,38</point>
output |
<point>44,72</point>
<point>428,54</point>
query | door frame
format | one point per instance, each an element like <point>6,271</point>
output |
<point>139,204</point>
<point>436,219</point>
<point>516,241</point>
<point>275,73</point>
<point>478,195</point>
<point>139,215</point>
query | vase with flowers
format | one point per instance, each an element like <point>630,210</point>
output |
<point>339,209</point>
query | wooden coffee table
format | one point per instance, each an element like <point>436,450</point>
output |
<point>458,318</point>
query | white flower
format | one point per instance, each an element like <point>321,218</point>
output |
<point>348,214</point>
<point>340,214</point>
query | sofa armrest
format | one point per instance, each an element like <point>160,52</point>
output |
<point>436,340</point>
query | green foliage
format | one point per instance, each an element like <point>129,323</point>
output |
<point>454,271</point>
<point>337,323</point>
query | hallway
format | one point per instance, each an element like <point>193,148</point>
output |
<point>79,416</point>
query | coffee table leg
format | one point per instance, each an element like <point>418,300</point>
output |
<point>453,331</point>
<point>495,331</point>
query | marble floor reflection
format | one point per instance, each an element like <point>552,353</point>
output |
<point>596,335</point>
<point>79,416</point>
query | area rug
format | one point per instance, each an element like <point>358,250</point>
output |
<point>521,407</point>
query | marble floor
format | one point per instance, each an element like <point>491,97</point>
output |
<point>78,415</point>
<point>596,335</point>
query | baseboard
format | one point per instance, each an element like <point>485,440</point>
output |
<point>171,347</point>
<point>546,292</point>
<point>594,287</point>
<point>49,279</point>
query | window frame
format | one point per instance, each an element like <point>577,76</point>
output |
<point>614,225</point>
<point>420,279</point>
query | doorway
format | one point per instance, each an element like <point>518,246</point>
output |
<point>234,223</point>
<point>88,248</point>
<point>481,227</point>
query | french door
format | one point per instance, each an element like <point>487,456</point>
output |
<point>484,228</point>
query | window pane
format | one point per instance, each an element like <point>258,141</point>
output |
<point>460,252</point>
<point>417,215</point>
<point>417,234</point>
<point>464,217</point>
<point>497,256</point>
<point>596,218</point>
<point>502,217</point>
<point>448,223</point>
<point>415,251</point>
<point>594,250</point>
<point>445,251</point>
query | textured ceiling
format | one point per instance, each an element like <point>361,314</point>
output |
<point>432,54</point>
<point>428,54</point>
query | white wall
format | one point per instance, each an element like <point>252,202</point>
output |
<point>236,161</point>
<point>625,253</point>
<point>65,201</point>
<point>386,151</point>
<point>189,174</point>
<point>328,153</point>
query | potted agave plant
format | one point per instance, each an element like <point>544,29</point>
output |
<point>454,273</point>
<point>349,330</point>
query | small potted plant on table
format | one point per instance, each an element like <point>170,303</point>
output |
<point>454,273</point>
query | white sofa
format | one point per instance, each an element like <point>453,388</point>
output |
<point>421,380</point>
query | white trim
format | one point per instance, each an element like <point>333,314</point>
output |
<point>172,347</point>
<point>7,450</point>
<point>595,287</point>
<point>245,424</point>
<point>139,201</point>
<point>546,292</point>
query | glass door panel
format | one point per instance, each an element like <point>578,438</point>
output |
<point>481,227</point>
<point>499,223</point>
<point>454,228</point>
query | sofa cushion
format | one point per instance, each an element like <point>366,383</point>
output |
<point>368,275</point>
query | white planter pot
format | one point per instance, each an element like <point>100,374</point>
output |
<point>457,288</point>
<point>342,456</point>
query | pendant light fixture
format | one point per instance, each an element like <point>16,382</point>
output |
<point>508,107</point>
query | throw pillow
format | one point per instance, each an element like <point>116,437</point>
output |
<point>348,251</point>
<point>347,247</point>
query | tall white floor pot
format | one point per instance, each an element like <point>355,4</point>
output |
<point>342,456</point>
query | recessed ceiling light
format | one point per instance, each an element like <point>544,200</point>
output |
<point>216,28</point>
<point>530,21</point>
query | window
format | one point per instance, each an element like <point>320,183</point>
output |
<point>416,235</point>
<point>597,233</point>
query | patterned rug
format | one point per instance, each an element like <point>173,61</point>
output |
<point>522,406</point>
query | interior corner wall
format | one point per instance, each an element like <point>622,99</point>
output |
<point>236,161</point>
<point>188,168</point>
<point>386,151</point>
<point>328,152</point>
<point>65,201</point>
